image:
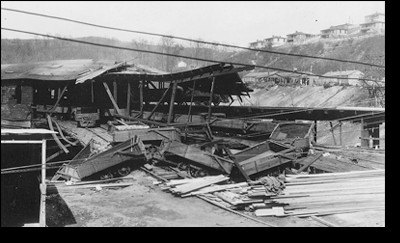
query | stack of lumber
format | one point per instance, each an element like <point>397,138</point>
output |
<point>330,193</point>
<point>232,195</point>
<point>184,187</point>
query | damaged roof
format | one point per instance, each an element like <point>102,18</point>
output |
<point>58,70</point>
<point>226,75</point>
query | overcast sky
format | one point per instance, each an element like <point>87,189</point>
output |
<point>230,22</point>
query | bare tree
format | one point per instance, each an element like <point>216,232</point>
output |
<point>169,46</point>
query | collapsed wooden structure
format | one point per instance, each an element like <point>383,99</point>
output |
<point>125,114</point>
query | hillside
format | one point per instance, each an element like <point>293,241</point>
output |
<point>370,49</point>
<point>310,96</point>
<point>360,49</point>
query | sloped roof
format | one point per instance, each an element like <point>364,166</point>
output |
<point>58,70</point>
<point>298,33</point>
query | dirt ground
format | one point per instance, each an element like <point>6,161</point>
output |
<point>146,205</point>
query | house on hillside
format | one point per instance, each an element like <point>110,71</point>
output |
<point>275,41</point>
<point>348,77</point>
<point>294,78</point>
<point>339,31</point>
<point>256,77</point>
<point>374,23</point>
<point>258,44</point>
<point>298,37</point>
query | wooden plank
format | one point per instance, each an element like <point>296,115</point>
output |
<point>210,101</point>
<point>233,211</point>
<point>112,99</point>
<point>141,97</point>
<point>115,91</point>
<point>55,136</point>
<point>186,188</point>
<point>306,165</point>
<point>215,189</point>
<point>43,188</point>
<point>153,174</point>
<point>58,99</point>
<point>274,211</point>
<point>158,103</point>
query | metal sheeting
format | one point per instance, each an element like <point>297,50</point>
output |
<point>59,70</point>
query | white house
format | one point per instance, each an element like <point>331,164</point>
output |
<point>374,23</point>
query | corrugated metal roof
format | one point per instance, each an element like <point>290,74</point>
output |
<point>58,70</point>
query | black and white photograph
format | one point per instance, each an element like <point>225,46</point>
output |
<point>193,114</point>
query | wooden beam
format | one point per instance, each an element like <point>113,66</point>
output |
<point>305,166</point>
<point>333,134</point>
<point>111,98</point>
<point>340,134</point>
<point>171,104</point>
<point>115,91</point>
<point>158,103</point>
<point>43,189</point>
<point>322,221</point>
<point>55,136</point>
<point>141,98</point>
<point>211,98</point>
<point>58,99</point>
<point>92,90</point>
<point>128,100</point>
<point>315,131</point>
<point>234,211</point>
<point>190,108</point>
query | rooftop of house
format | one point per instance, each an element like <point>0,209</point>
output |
<point>375,14</point>
<point>275,37</point>
<point>339,27</point>
<point>298,33</point>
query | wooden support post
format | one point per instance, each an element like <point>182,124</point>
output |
<point>112,99</point>
<point>363,143</point>
<point>171,104</point>
<point>128,100</point>
<point>92,90</point>
<point>141,98</point>
<point>315,131</point>
<point>333,134</point>
<point>43,189</point>
<point>340,134</point>
<point>211,98</point>
<point>115,91</point>
<point>189,118</point>
<point>158,103</point>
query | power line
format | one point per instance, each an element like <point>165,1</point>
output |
<point>179,56</point>
<point>191,40</point>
